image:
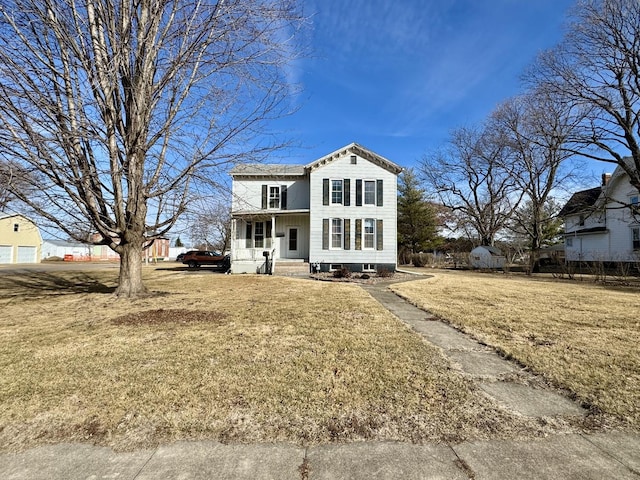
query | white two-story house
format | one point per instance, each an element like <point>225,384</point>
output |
<point>602,224</point>
<point>339,211</point>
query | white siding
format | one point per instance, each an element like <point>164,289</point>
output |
<point>342,168</point>
<point>615,243</point>
<point>620,221</point>
<point>247,193</point>
<point>588,248</point>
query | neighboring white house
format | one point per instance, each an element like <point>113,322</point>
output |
<point>486,257</point>
<point>603,223</point>
<point>65,250</point>
<point>20,240</point>
<point>338,211</point>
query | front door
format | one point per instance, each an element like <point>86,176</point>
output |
<point>292,242</point>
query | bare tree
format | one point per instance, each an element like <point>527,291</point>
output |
<point>211,224</point>
<point>536,128</point>
<point>120,106</point>
<point>597,68</point>
<point>13,177</point>
<point>470,178</point>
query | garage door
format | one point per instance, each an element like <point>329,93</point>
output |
<point>5,253</point>
<point>26,254</point>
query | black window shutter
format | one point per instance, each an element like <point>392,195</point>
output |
<point>347,234</point>
<point>325,191</point>
<point>249,240</point>
<point>264,197</point>
<point>358,234</point>
<point>379,238</point>
<point>347,192</point>
<point>358,193</point>
<point>325,234</point>
<point>283,197</point>
<point>267,229</point>
<point>379,192</point>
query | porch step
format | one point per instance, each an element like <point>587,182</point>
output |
<point>291,269</point>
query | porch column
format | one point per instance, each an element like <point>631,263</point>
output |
<point>273,234</point>
<point>233,238</point>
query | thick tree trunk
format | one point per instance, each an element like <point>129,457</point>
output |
<point>130,279</point>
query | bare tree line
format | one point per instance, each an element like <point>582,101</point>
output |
<point>581,100</point>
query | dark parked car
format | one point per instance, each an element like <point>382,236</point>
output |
<point>205,257</point>
<point>181,255</point>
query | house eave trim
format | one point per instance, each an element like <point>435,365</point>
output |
<point>588,231</point>
<point>270,213</point>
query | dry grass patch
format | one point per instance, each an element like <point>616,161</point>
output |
<point>232,358</point>
<point>579,336</point>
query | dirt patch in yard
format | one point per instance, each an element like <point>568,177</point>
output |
<point>164,317</point>
<point>366,279</point>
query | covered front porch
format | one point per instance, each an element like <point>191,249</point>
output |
<point>260,240</point>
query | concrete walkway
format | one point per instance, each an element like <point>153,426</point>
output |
<point>501,379</point>
<point>613,455</point>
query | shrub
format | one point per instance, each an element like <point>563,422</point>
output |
<point>420,259</point>
<point>344,272</point>
<point>385,273</point>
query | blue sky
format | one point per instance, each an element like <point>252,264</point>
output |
<point>398,76</point>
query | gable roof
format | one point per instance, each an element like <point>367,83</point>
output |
<point>10,215</point>
<point>581,201</point>
<point>357,150</point>
<point>289,170</point>
<point>494,251</point>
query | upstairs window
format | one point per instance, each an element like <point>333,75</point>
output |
<point>369,192</point>
<point>274,197</point>
<point>16,227</point>
<point>336,191</point>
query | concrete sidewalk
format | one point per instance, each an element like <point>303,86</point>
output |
<point>614,455</point>
<point>600,456</point>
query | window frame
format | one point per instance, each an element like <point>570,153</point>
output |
<point>364,192</point>
<point>334,235</point>
<point>333,191</point>
<point>271,198</point>
<point>369,267</point>
<point>634,202</point>
<point>258,236</point>
<point>369,236</point>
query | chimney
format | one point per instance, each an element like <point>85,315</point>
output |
<point>605,179</point>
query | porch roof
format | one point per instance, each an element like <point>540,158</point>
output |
<point>269,213</point>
